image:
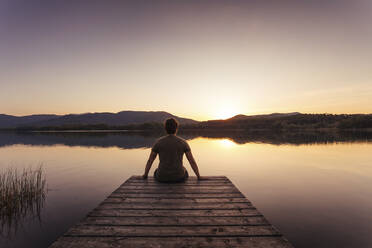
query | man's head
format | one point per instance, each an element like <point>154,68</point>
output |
<point>171,126</point>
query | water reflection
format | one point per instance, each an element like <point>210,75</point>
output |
<point>22,196</point>
<point>227,143</point>
<point>286,137</point>
<point>12,221</point>
<point>314,194</point>
<point>132,140</point>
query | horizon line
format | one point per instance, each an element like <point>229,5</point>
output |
<point>256,114</point>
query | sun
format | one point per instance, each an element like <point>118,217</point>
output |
<point>225,113</point>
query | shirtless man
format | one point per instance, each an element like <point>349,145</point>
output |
<point>171,149</point>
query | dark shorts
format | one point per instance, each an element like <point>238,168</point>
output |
<point>172,181</point>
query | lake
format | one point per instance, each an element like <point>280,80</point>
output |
<point>315,187</point>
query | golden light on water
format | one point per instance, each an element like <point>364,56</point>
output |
<point>227,143</point>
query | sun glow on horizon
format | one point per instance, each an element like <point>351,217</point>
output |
<point>225,113</point>
<point>227,143</point>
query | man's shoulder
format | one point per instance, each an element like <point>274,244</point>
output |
<point>182,141</point>
<point>158,143</point>
<point>160,139</point>
<point>171,138</point>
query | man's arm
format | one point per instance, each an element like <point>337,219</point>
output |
<point>193,164</point>
<point>149,163</point>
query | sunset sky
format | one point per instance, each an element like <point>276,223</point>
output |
<point>201,59</point>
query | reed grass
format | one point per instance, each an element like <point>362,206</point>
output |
<point>22,194</point>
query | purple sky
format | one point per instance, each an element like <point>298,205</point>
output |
<point>201,59</point>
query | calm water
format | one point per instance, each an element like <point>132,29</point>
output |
<point>315,187</point>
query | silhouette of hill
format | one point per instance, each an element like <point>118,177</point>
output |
<point>107,119</point>
<point>267,116</point>
<point>142,120</point>
<point>289,121</point>
<point>9,121</point>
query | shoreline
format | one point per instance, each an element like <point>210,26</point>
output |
<point>190,130</point>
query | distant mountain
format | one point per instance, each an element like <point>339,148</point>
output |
<point>109,119</point>
<point>289,121</point>
<point>266,116</point>
<point>9,121</point>
<point>143,120</point>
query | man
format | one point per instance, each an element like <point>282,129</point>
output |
<point>171,149</point>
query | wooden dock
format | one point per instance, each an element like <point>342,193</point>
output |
<point>145,213</point>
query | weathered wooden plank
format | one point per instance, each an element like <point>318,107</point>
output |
<point>175,200</point>
<point>174,212</point>
<point>176,187</point>
<point>128,205</point>
<point>176,195</point>
<point>188,182</point>
<point>178,191</point>
<point>178,220</point>
<point>196,213</point>
<point>205,178</point>
<point>191,183</point>
<point>191,178</point>
<point>172,231</point>
<point>183,242</point>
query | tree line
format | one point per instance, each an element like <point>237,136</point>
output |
<point>297,121</point>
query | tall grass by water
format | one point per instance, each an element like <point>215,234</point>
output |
<point>22,195</point>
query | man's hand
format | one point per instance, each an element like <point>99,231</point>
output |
<point>193,164</point>
<point>149,164</point>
